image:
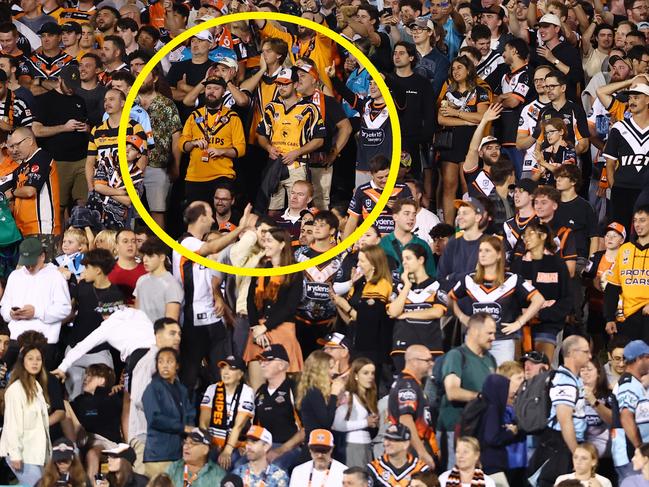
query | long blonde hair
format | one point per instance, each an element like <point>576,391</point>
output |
<point>315,375</point>
<point>496,244</point>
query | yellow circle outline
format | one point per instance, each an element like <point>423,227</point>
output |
<point>255,271</point>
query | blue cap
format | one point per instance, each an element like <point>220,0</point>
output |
<point>635,350</point>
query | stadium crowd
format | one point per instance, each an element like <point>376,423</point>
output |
<point>491,328</point>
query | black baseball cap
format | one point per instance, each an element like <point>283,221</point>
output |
<point>527,184</point>
<point>50,28</point>
<point>199,435</point>
<point>71,26</point>
<point>62,450</point>
<point>122,450</point>
<point>233,362</point>
<point>274,352</point>
<point>397,432</point>
<point>535,357</point>
<point>215,80</point>
<point>335,340</point>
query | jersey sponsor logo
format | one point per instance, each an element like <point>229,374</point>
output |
<point>493,309</point>
<point>639,161</point>
<point>407,395</point>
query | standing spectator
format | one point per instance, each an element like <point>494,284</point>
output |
<point>321,469</point>
<point>566,425</point>
<point>433,64</point>
<point>357,414</point>
<point>464,371</point>
<point>426,219</point>
<point>514,227</point>
<point>62,129</point>
<point>631,430</point>
<point>211,157</point>
<point>299,198</point>
<point>37,298</point>
<point>169,413</point>
<point>127,269</point>
<point>408,406</point>
<point>396,465</point>
<point>36,200</point>
<point>25,440</point>
<point>599,415</point>
<point>615,367</point>
<point>466,470</point>
<point>91,90</point>
<point>257,471</point>
<point>45,64</point>
<point>112,54</point>
<point>631,261</point>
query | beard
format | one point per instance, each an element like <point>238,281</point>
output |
<point>212,103</point>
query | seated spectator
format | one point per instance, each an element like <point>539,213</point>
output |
<point>322,469</point>
<point>194,467</point>
<point>258,471</point>
<point>169,413</point>
<point>584,459</point>
<point>467,469</point>
<point>640,464</point>
<point>64,468</point>
<point>120,468</point>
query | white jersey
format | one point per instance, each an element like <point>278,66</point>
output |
<point>527,122</point>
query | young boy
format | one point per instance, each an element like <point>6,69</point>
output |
<point>74,245</point>
<point>157,293</point>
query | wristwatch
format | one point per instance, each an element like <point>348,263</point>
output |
<point>556,62</point>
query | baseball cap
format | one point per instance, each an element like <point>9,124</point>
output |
<point>635,350</point>
<point>50,28</point>
<point>204,18</point>
<point>615,58</point>
<point>550,19</point>
<point>216,4</point>
<point>122,450</point>
<point>397,432</point>
<point>232,480</point>
<point>617,227</point>
<point>260,433</point>
<point>199,436</point>
<point>335,340</point>
<point>274,352</point>
<point>215,80</point>
<point>422,23</point>
<point>205,35</point>
<point>138,142</point>
<point>228,62</point>
<point>62,450</point>
<point>307,68</point>
<point>535,357</point>
<point>233,362</point>
<point>527,184</point>
<point>286,76</point>
<point>321,437</point>
<point>473,203</point>
<point>494,9</point>
<point>488,140</point>
<point>71,27</point>
<point>30,249</point>
<point>639,89</point>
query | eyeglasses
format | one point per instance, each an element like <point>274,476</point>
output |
<point>14,146</point>
<point>551,87</point>
<point>549,132</point>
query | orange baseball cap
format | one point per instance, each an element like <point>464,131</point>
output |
<point>617,227</point>
<point>321,437</point>
<point>260,433</point>
<point>137,142</point>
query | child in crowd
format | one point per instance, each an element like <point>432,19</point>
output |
<point>74,246</point>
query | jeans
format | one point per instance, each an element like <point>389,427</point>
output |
<point>28,475</point>
<point>503,350</point>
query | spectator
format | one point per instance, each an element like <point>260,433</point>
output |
<point>338,346</point>
<point>127,270</point>
<point>357,415</point>
<point>321,468</point>
<point>599,415</point>
<point>195,462</point>
<point>566,425</point>
<point>120,467</point>
<point>396,464</point>
<point>584,460</point>
<point>615,366</point>
<point>355,477</point>
<point>257,470</point>
<point>25,440</point>
<point>45,64</point>
<point>64,466</point>
<point>640,464</point>
<point>169,413</point>
<point>466,469</point>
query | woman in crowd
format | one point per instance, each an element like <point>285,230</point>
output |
<point>548,273</point>
<point>467,471</point>
<point>120,468</point>
<point>25,437</point>
<point>424,479</point>
<point>272,304</point>
<point>553,152</point>
<point>233,395</point>
<point>416,308</point>
<point>169,413</point>
<point>364,307</point>
<point>460,109</point>
<point>317,394</point>
<point>351,271</point>
<point>585,461</point>
<point>599,415</point>
<point>640,462</point>
<point>500,293</point>
<point>357,415</point>
<point>64,468</point>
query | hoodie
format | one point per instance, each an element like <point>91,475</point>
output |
<point>492,433</point>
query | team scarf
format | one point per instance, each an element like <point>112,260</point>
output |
<point>455,480</point>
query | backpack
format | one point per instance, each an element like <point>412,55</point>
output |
<point>532,402</point>
<point>435,387</point>
<point>471,418</point>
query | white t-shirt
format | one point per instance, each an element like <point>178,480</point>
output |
<point>488,481</point>
<point>603,481</point>
<point>319,478</point>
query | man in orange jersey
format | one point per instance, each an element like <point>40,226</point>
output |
<point>36,194</point>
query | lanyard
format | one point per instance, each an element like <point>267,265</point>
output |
<point>324,481</point>
<point>187,482</point>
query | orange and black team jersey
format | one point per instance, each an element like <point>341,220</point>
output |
<point>39,214</point>
<point>407,398</point>
<point>365,198</point>
<point>574,117</point>
<point>265,92</point>
<point>41,66</point>
<point>289,129</point>
<point>383,472</point>
<point>631,274</point>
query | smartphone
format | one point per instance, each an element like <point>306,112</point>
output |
<point>386,11</point>
<point>99,478</point>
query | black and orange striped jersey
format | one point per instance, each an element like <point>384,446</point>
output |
<point>415,331</point>
<point>8,176</point>
<point>40,213</point>
<point>265,93</point>
<point>103,142</point>
<point>573,116</point>
<point>45,67</point>
<point>293,128</point>
<point>628,146</point>
<point>384,473</point>
<point>365,198</point>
